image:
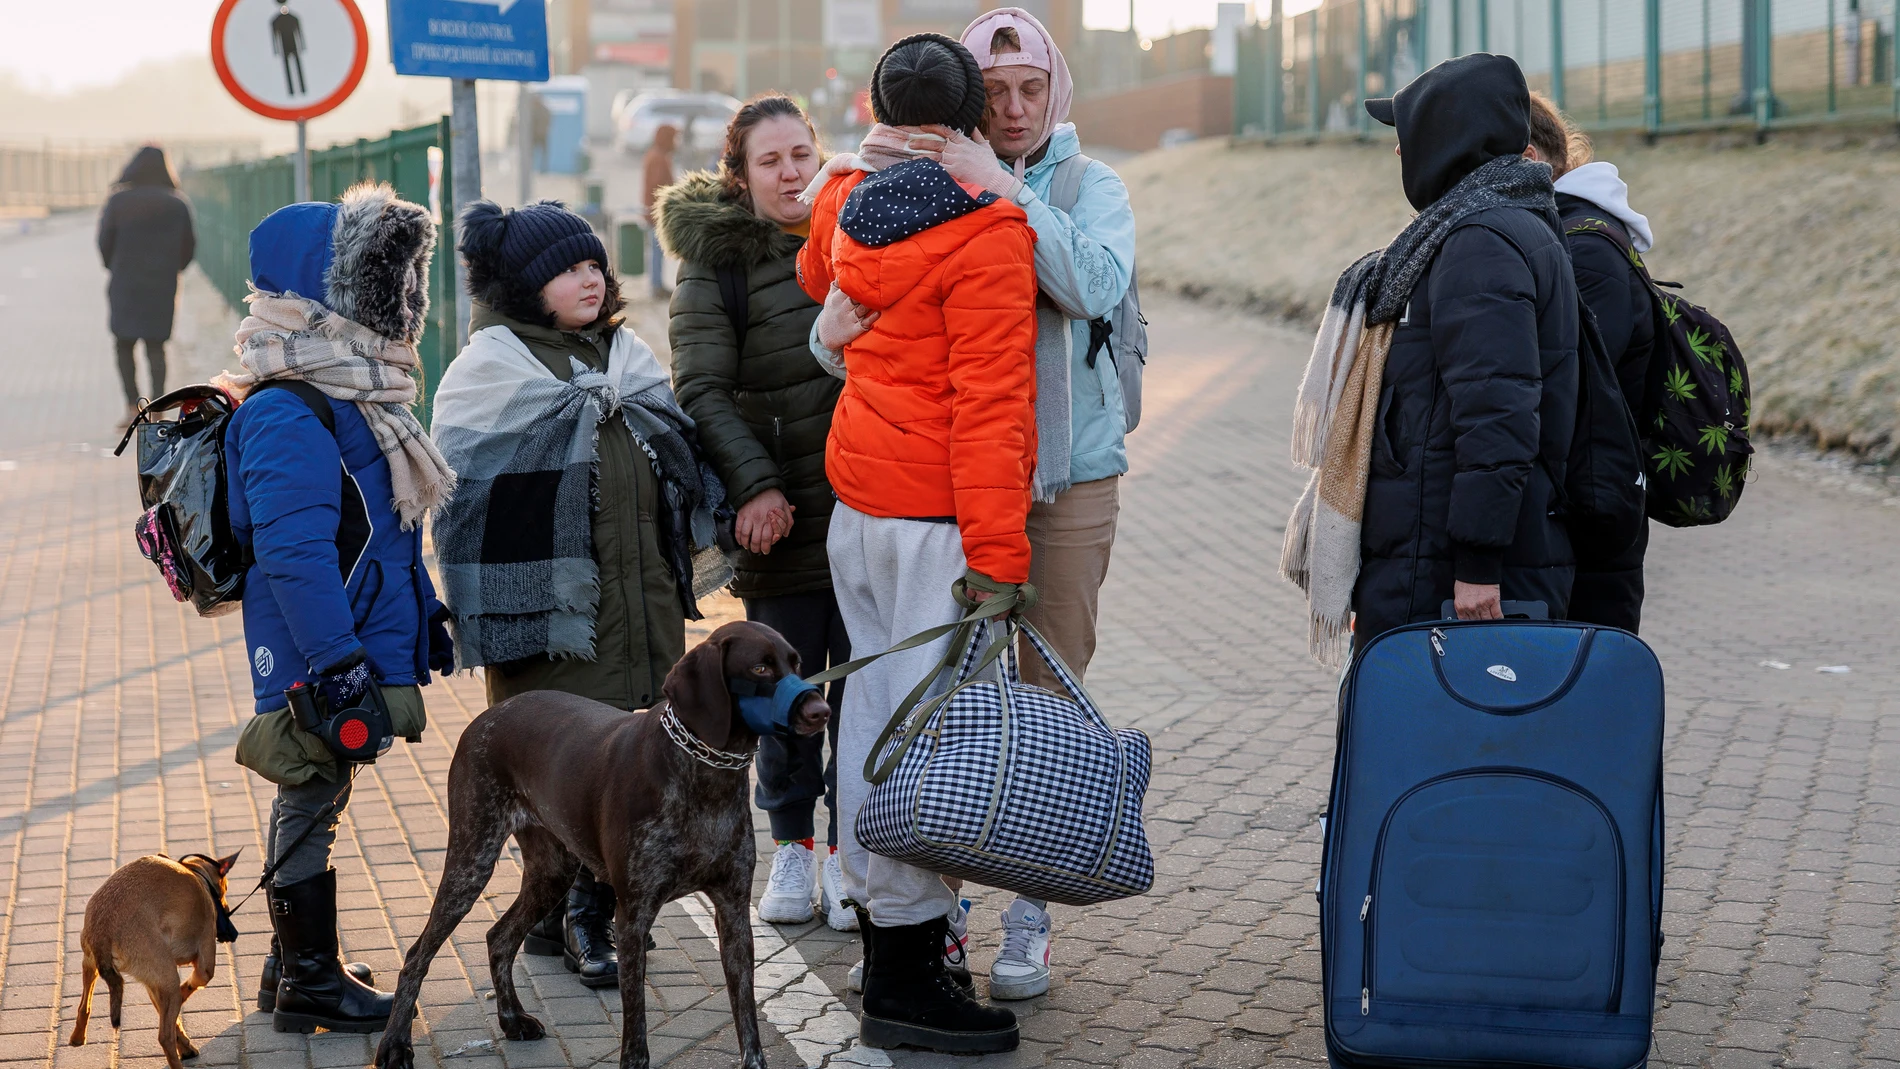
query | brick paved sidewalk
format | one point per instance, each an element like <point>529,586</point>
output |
<point>118,711</point>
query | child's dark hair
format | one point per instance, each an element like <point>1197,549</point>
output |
<point>751,114</point>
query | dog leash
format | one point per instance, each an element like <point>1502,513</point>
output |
<point>322,815</point>
<point>914,709</point>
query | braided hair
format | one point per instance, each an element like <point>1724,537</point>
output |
<point>929,78</point>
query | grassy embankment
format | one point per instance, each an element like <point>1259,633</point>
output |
<point>1795,244</point>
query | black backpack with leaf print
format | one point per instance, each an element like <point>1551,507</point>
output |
<point>1696,409</point>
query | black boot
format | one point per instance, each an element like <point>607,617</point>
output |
<point>587,932</point>
<point>911,1000</point>
<point>267,977</point>
<point>544,939</point>
<point>314,991</point>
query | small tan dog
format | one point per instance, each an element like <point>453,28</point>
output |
<point>151,916</point>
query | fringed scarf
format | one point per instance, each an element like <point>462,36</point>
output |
<point>1334,418</point>
<point>294,338</point>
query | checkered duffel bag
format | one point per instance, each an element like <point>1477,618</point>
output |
<point>1012,786</point>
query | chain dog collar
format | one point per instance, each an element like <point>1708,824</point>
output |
<point>698,749</point>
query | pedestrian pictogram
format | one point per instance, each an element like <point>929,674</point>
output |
<point>289,59</point>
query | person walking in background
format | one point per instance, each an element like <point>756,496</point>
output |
<point>763,409</point>
<point>1085,262</point>
<point>338,597</point>
<point>1467,361</point>
<point>931,452</point>
<point>1591,197</point>
<point>600,585</point>
<point>145,239</point>
<point>657,174</point>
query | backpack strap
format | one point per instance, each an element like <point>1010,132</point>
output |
<point>318,401</point>
<point>1065,187</point>
<point>319,404</point>
<point>734,295</point>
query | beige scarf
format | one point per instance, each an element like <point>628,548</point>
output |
<point>1333,424</point>
<point>294,338</point>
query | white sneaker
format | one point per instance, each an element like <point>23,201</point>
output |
<point>840,917</point>
<point>956,942</point>
<point>855,981</point>
<point>1022,965</point>
<point>789,889</point>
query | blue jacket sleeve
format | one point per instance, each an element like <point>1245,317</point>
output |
<point>1484,341</point>
<point>1085,259</point>
<point>291,472</point>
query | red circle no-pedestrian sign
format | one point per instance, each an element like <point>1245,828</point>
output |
<point>289,59</point>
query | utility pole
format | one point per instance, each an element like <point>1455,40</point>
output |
<point>300,166</point>
<point>465,155</point>
<point>524,143</point>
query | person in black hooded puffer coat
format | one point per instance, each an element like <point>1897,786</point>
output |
<point>1479,397</point>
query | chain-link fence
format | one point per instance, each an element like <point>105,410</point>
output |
<point>1655,65</point>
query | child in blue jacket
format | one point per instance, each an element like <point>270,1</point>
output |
<point>338,597</point>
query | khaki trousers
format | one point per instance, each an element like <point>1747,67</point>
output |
<point>1069,543</point>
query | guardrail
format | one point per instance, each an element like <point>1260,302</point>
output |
<point>1656,66</point>
<point>229,201</point>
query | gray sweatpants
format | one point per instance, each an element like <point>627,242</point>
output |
<point>892,578</point>
<point>292,812</point>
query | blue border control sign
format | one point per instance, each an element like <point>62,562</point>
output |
<point>497,40</point>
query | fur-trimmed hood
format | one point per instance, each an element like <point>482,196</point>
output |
<point>700,226</point>
<point>365,259</point>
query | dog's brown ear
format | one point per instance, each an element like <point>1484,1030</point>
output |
<point>225,864</point>
<point>697,689</point>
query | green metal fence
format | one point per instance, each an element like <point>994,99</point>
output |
<point>229,201</point>
<point>1658,66</point>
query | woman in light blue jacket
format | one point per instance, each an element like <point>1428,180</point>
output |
<point>1085,263</point>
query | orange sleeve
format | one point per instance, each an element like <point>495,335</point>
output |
<point>989,315</point>
<point>814,257</point>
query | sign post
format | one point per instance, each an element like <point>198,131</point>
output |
<point>462,40</point>
<point>290,59</point>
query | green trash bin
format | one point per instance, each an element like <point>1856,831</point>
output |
<point>631,249</point>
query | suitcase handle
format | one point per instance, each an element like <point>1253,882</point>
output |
<point>1513,610</point>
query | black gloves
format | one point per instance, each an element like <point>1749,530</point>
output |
<point>441,645</point>
<point>344,684</point>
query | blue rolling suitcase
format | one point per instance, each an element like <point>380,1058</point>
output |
<point>1491,888</point>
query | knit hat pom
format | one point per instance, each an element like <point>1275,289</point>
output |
<point>528,245</point>
<point>926,79</point>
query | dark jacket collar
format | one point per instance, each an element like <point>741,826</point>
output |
<point>701,226</point>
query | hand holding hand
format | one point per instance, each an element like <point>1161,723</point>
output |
<point>972,162</point>
<point>762,521</point>
<point>1477,601</point>
<point>843,320</point>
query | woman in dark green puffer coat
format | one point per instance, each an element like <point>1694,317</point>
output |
<point>763,410</point>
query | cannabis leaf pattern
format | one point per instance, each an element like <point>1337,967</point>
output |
<point>1725,482</point>
<point>1706,348</point>
<point>1713,438</point>
<point>1672,462</point>
<point>1678,384</point>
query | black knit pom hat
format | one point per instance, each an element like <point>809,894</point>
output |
<point>929,78</point>
<point>541,240</point>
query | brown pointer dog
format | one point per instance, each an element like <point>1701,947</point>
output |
<point>580,783</point>
<point>149,917</point>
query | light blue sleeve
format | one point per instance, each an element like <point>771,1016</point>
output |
<point>1085,260</point>
<point>832,362</point>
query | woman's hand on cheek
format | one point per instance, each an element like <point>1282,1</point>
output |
<point>972,162</point>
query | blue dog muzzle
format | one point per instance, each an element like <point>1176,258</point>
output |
<point>769,711</point>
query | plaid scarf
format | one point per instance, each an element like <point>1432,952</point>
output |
<point>1334,418</point>
<point>294,338</point>
<point>525,439</point>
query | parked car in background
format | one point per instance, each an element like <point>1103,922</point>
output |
<point>700,118</point>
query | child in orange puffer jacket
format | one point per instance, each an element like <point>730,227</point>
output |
<point>931,450</point>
